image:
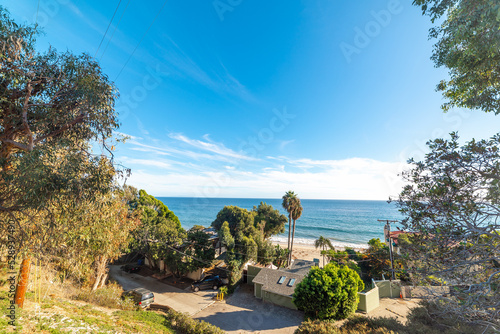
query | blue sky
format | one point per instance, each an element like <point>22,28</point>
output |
<point>239,98</point>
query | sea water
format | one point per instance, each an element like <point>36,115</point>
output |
<point>345,222</point>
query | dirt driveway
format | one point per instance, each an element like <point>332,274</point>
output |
<point>179,300</point>
<point>243,313</point>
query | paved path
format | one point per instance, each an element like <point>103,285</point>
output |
<point>243,313</point>
<point>179,300</point>
<point>394,308</point>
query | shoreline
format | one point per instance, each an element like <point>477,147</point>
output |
<point>309,243</point>
<point>309,252</point>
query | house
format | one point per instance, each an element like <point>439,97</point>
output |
<point>278,286</point>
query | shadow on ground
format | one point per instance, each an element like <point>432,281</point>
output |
<point>244,312</point>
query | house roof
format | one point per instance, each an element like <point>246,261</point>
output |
<point>269,279</point>
<point>301,266</point>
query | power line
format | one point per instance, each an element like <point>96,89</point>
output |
<point>113,34</point>
<point>140,41</point>
<point>37,8</point>
<point>109,24</point>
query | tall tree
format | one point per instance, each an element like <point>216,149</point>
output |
<point>289,201</point>
<point>52,105</point>
<point>237,218</point>
<point>468,44</point>
<point>296,213</point>
<point>452,201</point>
<point>269,220</point>
<point>322,243</point>
<point>159,226</point>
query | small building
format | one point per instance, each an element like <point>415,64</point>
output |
<point>277,286</point>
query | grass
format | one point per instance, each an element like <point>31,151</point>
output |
<point>80,311</point>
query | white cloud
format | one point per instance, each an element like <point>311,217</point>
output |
<point>147,162</point>
<point>204,168</point>
<point>210,146</point>
<point>343,179</point>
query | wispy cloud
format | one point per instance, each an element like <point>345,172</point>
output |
<point>147,162</point>
<point>218,78</point>
<point>183,166</point>
<point>285,143</point>
<point>210,146</point>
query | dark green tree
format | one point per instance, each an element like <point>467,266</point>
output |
<point>53,106</point>
<point>159,228</point>
<point>468,44</point>
<point>238,219</point>
<point>269,220</point>
<point>452,203</point>
<point>328,293</point>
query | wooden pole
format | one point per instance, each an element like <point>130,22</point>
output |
<point>22,285</point>
<point>388,226</point>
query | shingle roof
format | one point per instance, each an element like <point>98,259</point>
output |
<point>301,266</point>
<point>269,279</point>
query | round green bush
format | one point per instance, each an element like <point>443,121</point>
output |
<point>328,293</point>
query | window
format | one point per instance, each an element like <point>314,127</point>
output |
<point>282,279</point>
<point>291,282</point>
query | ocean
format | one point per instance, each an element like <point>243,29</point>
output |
<point>346,223</point>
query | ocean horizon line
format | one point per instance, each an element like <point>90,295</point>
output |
<point>277,198</point>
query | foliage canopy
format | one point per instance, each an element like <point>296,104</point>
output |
<point>452,202</point>
<point>328,293</point>
<point>468,44</point>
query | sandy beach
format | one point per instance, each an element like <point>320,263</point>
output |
<point>308,252</point>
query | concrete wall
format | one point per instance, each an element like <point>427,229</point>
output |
<point>279,300</point>
<point>369,301</point>
<point>252,271</point>
<point>195,275</point>
<point>389,289</point>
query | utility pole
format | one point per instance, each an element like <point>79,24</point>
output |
<point>387,235</point>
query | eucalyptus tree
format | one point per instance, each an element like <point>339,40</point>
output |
<point>53,107</point>
<point>322,243</point>
<point>468,44</point>
<point>452,202</point>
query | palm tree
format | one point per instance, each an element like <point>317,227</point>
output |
<point>289,200</point>
<point>323,242</point>
<point>296,213</point>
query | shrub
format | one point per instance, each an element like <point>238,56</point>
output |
<point>431,318</point>
<point>317,327</point>
<point>328,293</point>
<point>183,324</point>
<point>107,296</point>
<point>355,325</point>
<point>380,325</point>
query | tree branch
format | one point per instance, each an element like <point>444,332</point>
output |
<point>79,119</point>
<point>15,144</point>
<point>25,117</point>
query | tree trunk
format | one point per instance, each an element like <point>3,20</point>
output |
<point>22,285</point>
<point>323,256</point>
<point>100,271</point>
<point>291,244</point>
<point>104,279</point>
<point>289,229</point>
